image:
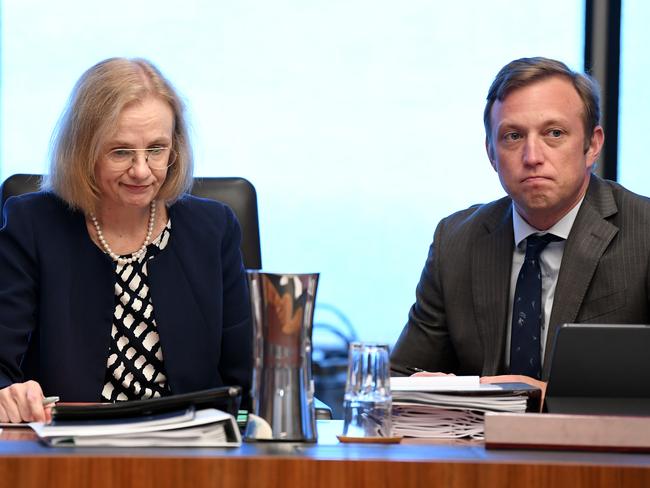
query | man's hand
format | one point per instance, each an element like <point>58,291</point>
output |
<point>23,402</point>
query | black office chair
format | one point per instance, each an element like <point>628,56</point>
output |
<point>238,193</point>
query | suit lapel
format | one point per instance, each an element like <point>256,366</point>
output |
<point>491,263</point>
<point>590,236</point>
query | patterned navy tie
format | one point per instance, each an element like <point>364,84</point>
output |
<point>525,352</point>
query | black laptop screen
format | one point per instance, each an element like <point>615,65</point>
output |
<point>600,367</point>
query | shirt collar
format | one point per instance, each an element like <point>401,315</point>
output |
<point>561,228</point>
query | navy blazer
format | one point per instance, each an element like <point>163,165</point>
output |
<point>57,299</point>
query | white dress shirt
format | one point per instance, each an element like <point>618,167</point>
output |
<point>550,261</point>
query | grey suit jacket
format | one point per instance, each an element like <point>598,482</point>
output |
<point>458,323</point>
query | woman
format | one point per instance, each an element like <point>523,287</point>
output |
<point>115,284</point>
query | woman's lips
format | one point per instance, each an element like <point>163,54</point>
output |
<point>136,188</point>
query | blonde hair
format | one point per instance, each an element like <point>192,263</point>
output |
<point>91,116</point>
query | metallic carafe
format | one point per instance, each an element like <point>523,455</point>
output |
<point>283,391</point>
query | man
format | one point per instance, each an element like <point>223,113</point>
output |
<point>474,313</point>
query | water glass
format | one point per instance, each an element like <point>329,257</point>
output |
<point>367,400</point>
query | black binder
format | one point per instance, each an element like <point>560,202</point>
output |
<point>226,399</point>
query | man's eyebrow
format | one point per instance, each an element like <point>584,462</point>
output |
<point>555,121</point>
<point>509,124</point>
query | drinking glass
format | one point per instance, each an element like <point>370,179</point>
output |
<point>367,401</point>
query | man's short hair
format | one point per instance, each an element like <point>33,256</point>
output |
<point>91,116</point>
<point>526,71</point>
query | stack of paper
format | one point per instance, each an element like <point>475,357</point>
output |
<point>187,428</point>
<point>450,406</point>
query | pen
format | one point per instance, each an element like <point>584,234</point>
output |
<point>413,369</point>
<point>50,400</point>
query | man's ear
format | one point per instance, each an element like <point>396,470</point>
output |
<point>489,149</point>
<point>595,145</point>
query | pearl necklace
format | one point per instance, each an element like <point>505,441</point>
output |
<point>136,255</point>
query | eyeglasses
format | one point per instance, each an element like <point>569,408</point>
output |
<point>157,157</point>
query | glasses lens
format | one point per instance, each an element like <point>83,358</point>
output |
<point>172,157</point>
<point>121,155</point>
<point>156,157</point>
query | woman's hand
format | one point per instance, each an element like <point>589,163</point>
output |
<point>23,402</point>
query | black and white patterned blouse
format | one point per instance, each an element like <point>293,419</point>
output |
<point>135,368</point>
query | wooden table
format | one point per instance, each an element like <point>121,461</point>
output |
<point>26,463</point>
